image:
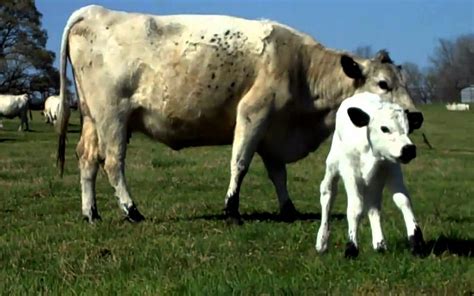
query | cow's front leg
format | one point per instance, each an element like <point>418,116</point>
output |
<point>277,173</point>
<point>252,119</point>
<point>403,202</point>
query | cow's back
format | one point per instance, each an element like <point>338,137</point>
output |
<point>182,75</point>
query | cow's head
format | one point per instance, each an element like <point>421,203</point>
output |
<point>381,76</point>
<point>387,131</point>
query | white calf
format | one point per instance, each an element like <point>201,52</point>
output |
<point>12,106</point>
<point>51,107</point>
<point>369,143</point>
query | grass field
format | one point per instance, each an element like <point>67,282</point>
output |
<point>185,246</point>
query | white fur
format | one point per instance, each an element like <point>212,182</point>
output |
<point>366,159</point>
<point>12,106</point>
<point>51,107</point>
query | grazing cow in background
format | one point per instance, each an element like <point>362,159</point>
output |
<point>195,80</point>
<point>457,107</point>
<point>368,145</point>
<point>51,106</point>
<point>12,106</point>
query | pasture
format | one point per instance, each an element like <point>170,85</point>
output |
<point>185,245</point>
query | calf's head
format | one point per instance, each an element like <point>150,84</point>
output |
<point>382,77</point>
<point>387,131</point>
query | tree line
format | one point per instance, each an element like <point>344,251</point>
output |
<point>27,66</point>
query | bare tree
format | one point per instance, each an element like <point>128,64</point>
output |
<point>452,68</point>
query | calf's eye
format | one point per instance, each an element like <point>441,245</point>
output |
<point>385,129</point>
<point>383,85</point>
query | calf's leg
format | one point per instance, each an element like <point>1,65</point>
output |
<point>355,209</point>
<point>402,200</point>
<point>328,190</point>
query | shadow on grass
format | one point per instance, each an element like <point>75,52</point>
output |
<point>267,216</point>
<point>8,140</point>
<point>455,246</point>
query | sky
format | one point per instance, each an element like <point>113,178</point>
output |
<point>408,29</point>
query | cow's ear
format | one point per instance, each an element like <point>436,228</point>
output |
<point>415,120</point>
<point>351,68</point>
<point>358,117</point>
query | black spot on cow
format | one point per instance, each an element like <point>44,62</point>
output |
<point>232,84</point>
<point>208,86</point>
<point>212,40</point>
<point>202,37</point>
<point>213,75</point>
<point>217,87</point>
<point>227,32</point>
<point>176,43</point>
<point>106,28</point>
<point>215,35</point>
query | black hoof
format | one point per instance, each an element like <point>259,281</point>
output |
<point>134,215</point>
<point>233,217</point>
<point>381,247</point>
<point>351,251</point>
<point>417,244</point>
<point>93,218</point>
<point>288,212</point>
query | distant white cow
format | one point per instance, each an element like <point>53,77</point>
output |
<point>12,106</point>
<point>457,107</point>
<point>51,107</point>
<point>369,143</point>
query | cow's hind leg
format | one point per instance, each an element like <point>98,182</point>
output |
<point>252,118</point>
<point>112,142</point>
<point>87,152</point>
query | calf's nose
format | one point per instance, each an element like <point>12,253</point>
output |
<point>408,153</point>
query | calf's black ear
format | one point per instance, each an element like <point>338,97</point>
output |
<point>358,117</point>
<point>415,120</point>
<point>351,68</point>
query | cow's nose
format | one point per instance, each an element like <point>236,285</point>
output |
<point>408,153</point>
<point>415,120</point>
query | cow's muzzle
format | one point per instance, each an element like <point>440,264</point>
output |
<point>415,120</point>
<point>408,153</point>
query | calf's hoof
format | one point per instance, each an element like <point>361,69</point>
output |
<point>233,217</point>
<point>133,215</point>
<point>351,251</point>
<point>288,212</point>
<point>380,247</point>
<point>417,244</point>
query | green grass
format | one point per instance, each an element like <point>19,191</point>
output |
<point>185,247</point>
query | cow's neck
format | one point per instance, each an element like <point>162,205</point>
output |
<point>327,83</point>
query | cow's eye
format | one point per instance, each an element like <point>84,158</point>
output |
<point>383,85</point>
<point>385,129</point>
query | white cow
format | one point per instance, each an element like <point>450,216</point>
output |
<point>368,145</point>
<point>195,80</point>
<point>51,108</point>
<point>457,107</point>
<point>12,106</point>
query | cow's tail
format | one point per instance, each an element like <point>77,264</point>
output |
<point>64,110</point>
